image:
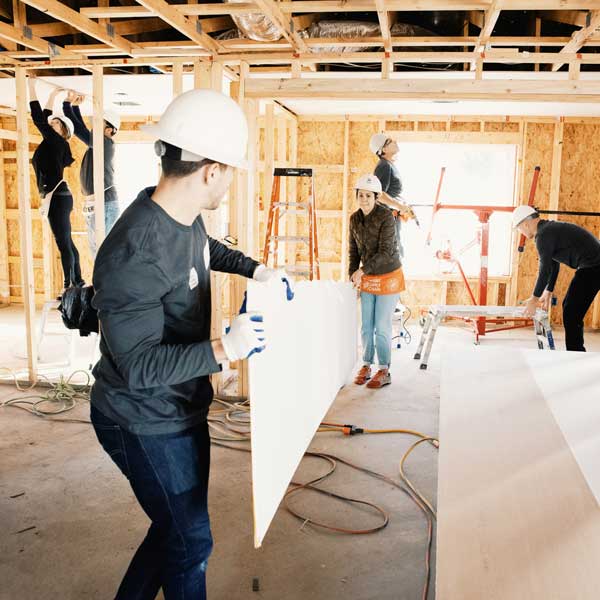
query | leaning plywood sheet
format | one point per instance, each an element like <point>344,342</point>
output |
<point>311,351</point>
<point>517,519</point>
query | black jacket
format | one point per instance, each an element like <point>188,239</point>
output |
<point>52,155</point>
<point>373,242</point>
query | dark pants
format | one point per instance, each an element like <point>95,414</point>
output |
<point>169,477</point>
<point>59,216</point>
<point>579,298</point>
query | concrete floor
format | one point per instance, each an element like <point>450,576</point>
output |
<point>86,524</point>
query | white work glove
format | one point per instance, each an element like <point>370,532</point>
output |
<point>245,337</point>
<point>264,274</point>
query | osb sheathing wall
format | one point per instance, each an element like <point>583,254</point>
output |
<point>321,143</point>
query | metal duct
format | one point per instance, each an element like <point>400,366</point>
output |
<point>256,26</point>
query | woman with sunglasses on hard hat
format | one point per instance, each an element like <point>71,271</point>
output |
<point>386,149</point>
<point>375,269</point>
<point>112,122</point>
<point>49,161</point>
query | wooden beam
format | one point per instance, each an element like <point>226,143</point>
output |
<point>285,25</point>
<point>61,12</point>
<point>25,228</point>
<point>580,37</point>
<point>345,202</point>
<point>569,17</point>
<point>490,20</point>
<point>269,153</point>
<point>381,89</point>
<point>98,149</point>
<point>4,259</point>
<point>21,36</point>
<point>386,20</point>
<point>177,78</point>
<point>180,22</point>
<point>332,6</point>
<point>557,148</point>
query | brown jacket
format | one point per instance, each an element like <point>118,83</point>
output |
<point>373,242</point>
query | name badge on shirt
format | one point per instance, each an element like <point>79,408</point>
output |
<point>193,278</point>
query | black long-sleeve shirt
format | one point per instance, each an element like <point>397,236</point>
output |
<point>563,243</point>
<point>52,155</point>
<point>152,293</point>
<point>86,174</point>
<point>373,242</point>
<point>389,176</point>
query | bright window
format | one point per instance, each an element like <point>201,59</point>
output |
<point>136,167</point>
<point>482,174</point>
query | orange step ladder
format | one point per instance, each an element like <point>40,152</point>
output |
<point>277,209</point>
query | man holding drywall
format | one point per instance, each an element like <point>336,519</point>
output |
<point>559,243</point>
<point>152,391</point>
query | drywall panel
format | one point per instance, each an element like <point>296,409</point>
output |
<point>516,517</point>
<point>311,351</point>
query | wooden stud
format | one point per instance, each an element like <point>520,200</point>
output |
<point>98,152</point>
<point>25,229</point>
<point>557,147</point>
<point>346,202</point>
<point>216,76</point>
<point>538,33</point>
<point>269,149</point>
<point>512,289</point>
<point>177,78</point>
<point>4,259</point>
<point>574,71</point>
<point>202,79</point>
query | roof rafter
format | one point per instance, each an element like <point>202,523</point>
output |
<point>580,37</point>
<point>284,23</point>
<point>26,38</point>
<point>180,22</point>
<point>63,13</point>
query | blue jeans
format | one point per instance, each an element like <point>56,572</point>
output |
<point>376,328</point>
<point>111,214</point>
<point>169,477</point>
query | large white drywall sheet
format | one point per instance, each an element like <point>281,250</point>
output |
<point>570,383</point>
<point>311,351</point>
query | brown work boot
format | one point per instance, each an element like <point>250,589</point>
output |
<point>382,377</point>
<point>363,375</point>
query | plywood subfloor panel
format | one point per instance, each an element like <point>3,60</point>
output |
<point>516,517</point>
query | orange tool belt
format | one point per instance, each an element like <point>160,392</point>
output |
<point>388,283</point>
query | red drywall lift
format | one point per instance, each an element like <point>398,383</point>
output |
<point>483,212</point>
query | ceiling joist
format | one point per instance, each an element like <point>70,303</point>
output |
<point>85,25</point>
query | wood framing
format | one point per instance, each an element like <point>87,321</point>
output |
<point>25,223</point>
<point>557,148</point>
<point>580,37</point>
<point>4,268</point>
<point>345,201</point>
<point>61,12</point>
<point>32,41</point>
<point>98,153</point>
<point>181,23</point>
<point>455,89</point>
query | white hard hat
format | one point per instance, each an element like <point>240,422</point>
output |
<point>377,142</point>
<point>369,183</point>
<point>112,118</point>
<point>521,213</point>
<point>68,123</point>
<point>205,124</point>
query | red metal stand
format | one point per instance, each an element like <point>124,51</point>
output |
<point>483,214</point>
